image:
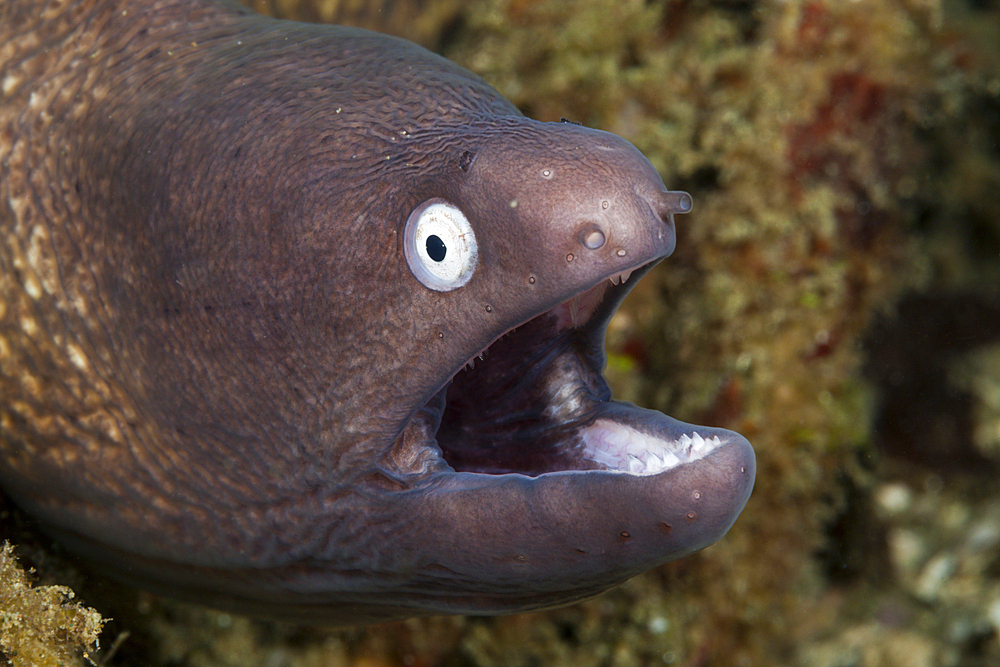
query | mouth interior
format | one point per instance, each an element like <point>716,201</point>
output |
<point>536,402</point>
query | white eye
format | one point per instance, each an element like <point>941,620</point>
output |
<point>440,246</point>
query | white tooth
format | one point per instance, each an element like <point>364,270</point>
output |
<point>615,280</point>
<point>653,462</point>
<point>670,459</point>
<point>699,442</point>
<point>635,465</point>
<point>625,276</point>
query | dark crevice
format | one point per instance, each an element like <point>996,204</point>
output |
<point>921,415</point>
<point>856,548</point>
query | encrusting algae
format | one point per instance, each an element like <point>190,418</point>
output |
<point>40,626</point>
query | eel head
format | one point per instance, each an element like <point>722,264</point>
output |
<point>515,481</point>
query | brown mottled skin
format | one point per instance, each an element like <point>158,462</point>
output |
<point>220,379</point>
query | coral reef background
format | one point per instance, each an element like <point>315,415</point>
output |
<point>835,296</point>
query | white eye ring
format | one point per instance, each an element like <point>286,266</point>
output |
<point>440,246</point>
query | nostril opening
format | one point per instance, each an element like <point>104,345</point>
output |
<point>592,237</point>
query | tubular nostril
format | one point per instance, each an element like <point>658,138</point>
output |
<point>672,201</point>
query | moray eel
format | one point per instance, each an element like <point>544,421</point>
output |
<point>308,322</point>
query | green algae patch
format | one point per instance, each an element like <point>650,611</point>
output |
<point>40,625</point>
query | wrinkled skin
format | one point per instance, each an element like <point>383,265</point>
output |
<point>220,376</point>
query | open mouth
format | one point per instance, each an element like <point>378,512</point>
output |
<point>536,402</point>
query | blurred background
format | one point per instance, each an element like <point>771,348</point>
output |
<point>834,296</point>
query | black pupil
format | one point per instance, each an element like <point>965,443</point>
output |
<point>436,248</point>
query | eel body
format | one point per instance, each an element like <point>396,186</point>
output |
<point>308,322</point>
